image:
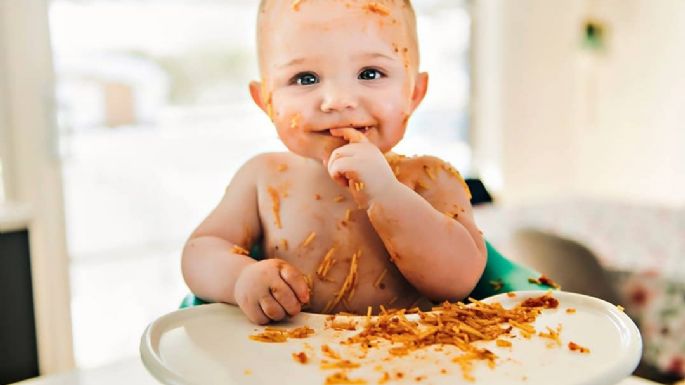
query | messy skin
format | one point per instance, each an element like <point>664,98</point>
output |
<point>344,223</point>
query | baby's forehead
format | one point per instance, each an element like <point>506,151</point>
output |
<point>378,5</point>
<point>275,16</point>
<point>386,11</point>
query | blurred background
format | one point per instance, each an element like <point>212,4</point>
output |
<point>122,121</point>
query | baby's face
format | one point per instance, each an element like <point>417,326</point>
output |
<point>329,64</point>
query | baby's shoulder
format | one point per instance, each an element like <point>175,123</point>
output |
<point>426,173</point>
<point>414,160</point>
<point>420,166</point>
<point>269,162</point>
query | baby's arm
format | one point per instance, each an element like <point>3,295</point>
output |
<point>431,237</point>
<point>441,254</point>
<point>215,265</point>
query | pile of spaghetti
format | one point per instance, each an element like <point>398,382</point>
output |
<point>454,324</point>
<point>451,324</point>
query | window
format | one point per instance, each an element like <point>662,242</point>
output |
<point>440,125</point>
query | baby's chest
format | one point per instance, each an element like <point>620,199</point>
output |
<point>304,224</point>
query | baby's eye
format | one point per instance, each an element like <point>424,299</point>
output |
<point>370,74</point>
<point>305,79</point>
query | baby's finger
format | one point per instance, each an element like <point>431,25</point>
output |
<point>348,150</point>
<point>285,296</point>
<point>255,314</point>
<point>296,281</point>
<point>343,169</point>
<point>340,180</point>
<point>349,134</point>
<point>336,155</point>
<point>272,308</point>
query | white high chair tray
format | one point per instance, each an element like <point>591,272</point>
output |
<point>210,344</point>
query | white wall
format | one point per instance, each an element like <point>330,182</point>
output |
<point>570,121</point>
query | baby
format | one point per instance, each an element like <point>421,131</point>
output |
<point>343,223</point>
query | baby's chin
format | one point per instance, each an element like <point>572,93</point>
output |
<point>320,156</point>
<point>326,156</point>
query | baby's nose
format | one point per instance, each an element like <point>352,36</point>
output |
<point>338,98</point>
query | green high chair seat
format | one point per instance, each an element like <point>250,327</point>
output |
<point>500,276</point>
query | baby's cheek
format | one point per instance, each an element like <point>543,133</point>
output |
<point>395,103</point>
<point>291,139</point>
<point>291,133</point>
<point>394,128</point>
<point>287,123</point>
<point>288,136</point>
<point>296,121</point>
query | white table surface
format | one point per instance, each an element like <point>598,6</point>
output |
<point>132,372</point>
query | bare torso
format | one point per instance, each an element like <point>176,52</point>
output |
<point>306,216</point>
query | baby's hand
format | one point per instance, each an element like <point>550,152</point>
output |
<point>360,165</point>
<point>271,290</point>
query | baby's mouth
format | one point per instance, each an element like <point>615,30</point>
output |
<point>362,129</point>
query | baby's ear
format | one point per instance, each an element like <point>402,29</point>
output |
<point>256,93</point>
<point>420,88</point>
